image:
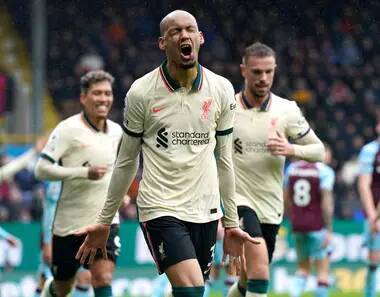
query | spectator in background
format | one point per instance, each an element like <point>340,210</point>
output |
<point>310,45</point>
<point>116,33</point>
<point>90,61</point>
<point>302,93</point>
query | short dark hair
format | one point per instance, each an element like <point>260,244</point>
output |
<point>93,77</point>
<point>258,49</point>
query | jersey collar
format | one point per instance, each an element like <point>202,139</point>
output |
<point>264,106</point>
<point>173,85</point>
<point>88,122</point>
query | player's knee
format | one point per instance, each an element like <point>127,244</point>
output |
<point>259,269</point>
<point>101,279</point>
<point>257,255</point>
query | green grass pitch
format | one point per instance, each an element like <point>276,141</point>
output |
<point>336,294</point>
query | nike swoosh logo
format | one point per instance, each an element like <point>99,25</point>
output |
<point>157,109</point>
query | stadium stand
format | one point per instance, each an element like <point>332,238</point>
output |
<point>328,59</point>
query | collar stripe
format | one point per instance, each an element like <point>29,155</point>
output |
<point>200,74</point>
<point>267,103</point>
<point>172,85</point>
<point>264,106</point>
<point>245,101</point>
<point>89,122</point>
<point>162,74</point>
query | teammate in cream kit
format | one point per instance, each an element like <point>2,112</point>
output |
<point>181,115</point>
<point>84,146</point>
<point>83,277</point>
<point>264,123</point>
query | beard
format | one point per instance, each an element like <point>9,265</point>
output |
<point>188,66</point>
<point>259,94</point>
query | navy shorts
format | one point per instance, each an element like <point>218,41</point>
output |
<point>65,266</point>
<point>171,241</point>
<point>250,223</point>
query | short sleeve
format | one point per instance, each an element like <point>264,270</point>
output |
<point>226,120</point>
<point>367,158</point>
<point>297,126</point>
<point>327,177</point>
<point>133,123</point>
<point>59,141</point>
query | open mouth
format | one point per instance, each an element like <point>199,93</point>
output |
<point>186,51</point>
<point>101,107</point>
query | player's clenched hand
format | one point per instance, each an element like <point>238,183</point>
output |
<point>96,172</point>
<point>278,145</point>
<point>96,238</point>
<point>233,241</point>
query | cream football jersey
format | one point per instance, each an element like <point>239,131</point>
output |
<point>258,173</point>
<point>178,129</point>
<point>75,143</point>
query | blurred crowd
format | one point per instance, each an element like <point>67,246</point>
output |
<point>327,55</point>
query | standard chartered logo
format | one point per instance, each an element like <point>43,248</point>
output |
<point>181,138</point>
<point>162,138</point>
<point>190,138</point>
<point>238,145</point>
